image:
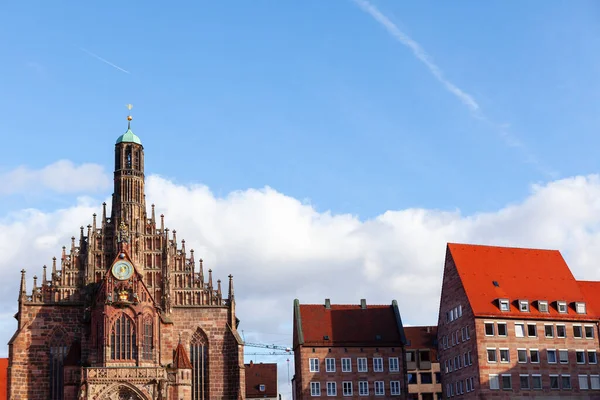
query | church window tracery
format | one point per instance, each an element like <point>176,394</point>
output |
<point>123,345</point>
<point>58,353</point>
<point>148,339</point>
<point>199,360</point>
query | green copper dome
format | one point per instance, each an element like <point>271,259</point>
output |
<point>129,137</point>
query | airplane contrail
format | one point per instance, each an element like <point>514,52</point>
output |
<point>104,60</point>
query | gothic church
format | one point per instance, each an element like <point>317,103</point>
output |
<point>125,314</point>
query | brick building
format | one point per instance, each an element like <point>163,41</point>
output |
<point>515,323</point>
<point>3,378</point>
<point>126,312</point>
<point>345,351</point>
<point>261,381</point>
<point>422,364</point>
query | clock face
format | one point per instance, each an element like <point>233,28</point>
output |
<point>122,270</point>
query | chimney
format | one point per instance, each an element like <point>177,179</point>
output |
<point>428,329</point>
<point>363,304</point>
<point>327,304</point>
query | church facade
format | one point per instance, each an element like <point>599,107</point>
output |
<point>126,313</point>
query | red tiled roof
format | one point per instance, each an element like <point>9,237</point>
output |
<point>3,378</point>
<point>591,291</point>
<point>349,324</point>
<point>521,274</point>
<point>181,359</point>
<point>421,337</point>
<point>261,374</point>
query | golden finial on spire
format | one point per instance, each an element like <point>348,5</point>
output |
<point>129,117</point>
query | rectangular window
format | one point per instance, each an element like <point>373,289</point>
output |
<point>536,382</point>
<point>467,332</point>
<point>561,331</point>
<point>394,366</point>
<point>363,388</point>
<point>583,382</point>
<point>565,382</point>
<point>580,356</point>
<point>491,355</point>
<point>330,365</point>
<point>315,388</point>
<point>577,331</point>
<point>524,382</point>
<point>504,355</point>
<point>549,331</point>
<point>589,331</point>
<point>346,365</point>
<point>506,382</point>
<point>412,378</point>
<point>592,358</point>
<point>489,328</point>
<point>522,355</point>
<point>594,382</point>
<point>426,377</point>
<point>543,306</point>
<point>394,387</point>
<point>347,388</point>
<point>331,389</point>
<point>561,306</point>
<point>531,330</point>
<point>580,308</point>
<point>362,364</point>
<point>494,382</point>
<point>563,356</point>
<point>379,388</point>
<point>554,382</point>
<point>519,329</point>
<point>469,357</point>
<point>534,356</point>
<point>504,306</point>
<point>551,354</point>
<point>524,306</point>
<point>378,364</point>
<point>502,330</point>
<point>314,364</point>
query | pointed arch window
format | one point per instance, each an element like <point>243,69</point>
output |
<point>58,353</point>
<point>123,345</point>
<point>128,157</point>
<point>199,359</point>
<point>148,339</point>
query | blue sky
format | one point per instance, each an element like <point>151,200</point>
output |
<point>314,98</point>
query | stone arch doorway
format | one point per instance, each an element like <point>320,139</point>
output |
<point>122,392</point>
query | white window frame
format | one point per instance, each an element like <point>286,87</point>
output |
<point>528,382</point>
<point>536,331</point>
<point>581,308</point>
<point>330,364</point>
<point>394,364</point>
<point>363,388</point>
<point>585,331</point>
<point>315,389</point>
<point>505,329</point>
<point>470,359</point>
<point>485,323</point>
<point>313,364</point>
<point>555,356</point>
<point>494,378</point>
<point>365,364</point>
<point>261,388</point>
<point>504,305</point>
<point>346,364</point>
<point>581,331</point>
<point>587,384</point>
<point>395,388</point>
<point>564,330</point>
<point>594,382</point>
<point>570,382</point>
<point>561,307</point>
<point>459,311</point>
<point>519,358</point>
<point>560,353</point>
<point>495,360</point>
<point>522,326</point>
<point>524,305</point>
<point>502,381</point>
<point>582,352</point>
<point>507,350</point>
<point>543,306</point>
<point>377,364</point>
<point>533,376</point>
<point>379,385</point>
<point>347,389</point>
<point>538,356</point>
<point>331,389</point>
<point>595,353</point>
<point>546,333</point>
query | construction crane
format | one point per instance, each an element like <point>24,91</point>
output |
<point>287,350</point>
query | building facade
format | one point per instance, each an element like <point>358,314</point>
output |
<point>422,364</point>
<point>346,351</point>
<point>261,381</point>
<point>514,323</point>
<point>126,312</point>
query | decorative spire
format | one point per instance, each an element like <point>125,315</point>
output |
<point>219,288</point>
<point>53,268</point>
<point>129,117</point>
<point>44,279</point>
<point>210,284</point>
<point>201,273</point>
<point>23,285</point>
<point>183,246</point>
<point>153,216</point>
<point>103,213</point>
<point>231,295</point>
<point>34,283</point>
<point>162,222</point>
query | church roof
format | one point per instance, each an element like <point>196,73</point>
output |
<point>181,359</point>
<point>129,137</point>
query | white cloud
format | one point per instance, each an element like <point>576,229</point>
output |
<point>62,177</point>
<point>279,248</point>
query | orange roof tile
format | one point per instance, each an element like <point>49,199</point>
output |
<point>591,291</point>
<point>350,325</point>
<point>261,374</point>
<point>422,337</point>
<point>521,274</point>
<point>181,359</point>
<point>3,378</point>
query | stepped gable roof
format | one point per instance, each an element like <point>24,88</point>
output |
<point>490,273</point>
<point>261,374</point>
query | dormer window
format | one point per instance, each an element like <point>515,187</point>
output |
<point>504,305</point>
<point>580,308</point>
<point>524,305</point>
<point>543,306</point>
<point>261,388</point>
<point>561,306</point>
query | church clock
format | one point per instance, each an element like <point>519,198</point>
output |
<point>122,270</point>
